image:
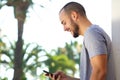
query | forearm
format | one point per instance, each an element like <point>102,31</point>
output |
<point>97,75</point>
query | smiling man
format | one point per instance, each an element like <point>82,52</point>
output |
<point>96,59</point>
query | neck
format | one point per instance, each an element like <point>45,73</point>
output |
<point>84,23</point>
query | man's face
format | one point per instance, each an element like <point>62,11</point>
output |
<point>69,24</point>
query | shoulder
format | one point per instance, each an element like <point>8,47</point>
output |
<point>94,41</point>
<point>93,32</point>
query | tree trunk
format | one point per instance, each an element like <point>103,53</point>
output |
<point>20,9</point>
<point>18,70</point>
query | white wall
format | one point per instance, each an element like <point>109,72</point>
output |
<point>116,35</point>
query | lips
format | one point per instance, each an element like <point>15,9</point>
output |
<point>68,29</point>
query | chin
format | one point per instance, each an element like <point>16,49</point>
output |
<point>75,35</point>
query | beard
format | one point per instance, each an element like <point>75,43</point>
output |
<point>75,29</point>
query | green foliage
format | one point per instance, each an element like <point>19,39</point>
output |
<point>60,62</point>
<point>30,56</point>
<point>72,50</point>
<point>4,78</point>
<point>8,52</point>
<point>31,51</point>
<point>64,59</point>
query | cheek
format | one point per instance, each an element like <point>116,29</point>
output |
<point>72,28</point>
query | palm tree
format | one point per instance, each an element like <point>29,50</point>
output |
<point>20,9</point>
<point>30,51</point>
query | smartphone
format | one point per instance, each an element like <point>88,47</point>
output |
<point>47,72</point>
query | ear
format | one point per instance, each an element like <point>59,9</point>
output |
<point>74,15</point>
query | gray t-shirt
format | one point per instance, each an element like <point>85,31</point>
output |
<point>96,42</point>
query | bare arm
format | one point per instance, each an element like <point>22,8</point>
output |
<point>99,67</point>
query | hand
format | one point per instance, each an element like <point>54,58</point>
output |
<point>59,75</point>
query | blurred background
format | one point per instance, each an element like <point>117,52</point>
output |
<point>116,36</point>
<point>32,38</point>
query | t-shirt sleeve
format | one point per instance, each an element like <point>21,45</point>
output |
<point>95,43</point>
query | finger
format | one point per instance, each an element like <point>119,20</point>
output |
<point>49,75</point>
<point>58,77</point>
<point>46,74</point>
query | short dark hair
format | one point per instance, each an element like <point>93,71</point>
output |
<point>74,6</point>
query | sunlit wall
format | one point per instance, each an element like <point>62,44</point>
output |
<point>116,35</point>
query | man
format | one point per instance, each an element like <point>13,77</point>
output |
<point>96,60</point>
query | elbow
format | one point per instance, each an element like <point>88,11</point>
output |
<point>102,74</point>
<point>98,74</point>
